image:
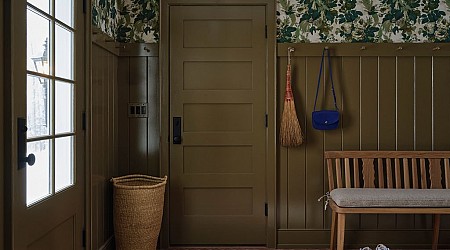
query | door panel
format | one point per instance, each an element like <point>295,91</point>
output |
<point>218,88</point>
<point>48,92</point>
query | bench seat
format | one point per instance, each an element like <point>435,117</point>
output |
<point>378,197</point>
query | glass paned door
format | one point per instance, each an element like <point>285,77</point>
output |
<point>51,86</point>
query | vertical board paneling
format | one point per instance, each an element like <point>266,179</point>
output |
<point>153,115</point>
<point>332,138</point>
<point>314,151</point>
<point>2,143</point>
<point>123,75</point>
<point>296,156</point>
<point>423,117</point>
<point>386,119</point>
<point>104,144</point>
<point>138,126</point>
<point>369,118</point>
<point>283,152</point>
<point>405,117</point>
<point>387,103</point>
<point>350,114</point>
<point>441,114</point>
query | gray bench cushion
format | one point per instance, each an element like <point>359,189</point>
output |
<point>378,197</point>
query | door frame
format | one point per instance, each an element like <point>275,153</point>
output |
<point>2,142</point>
<point>271,91</point>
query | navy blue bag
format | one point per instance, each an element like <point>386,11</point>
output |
<point>325,119</point>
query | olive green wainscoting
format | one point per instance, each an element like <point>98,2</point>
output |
<point>391,97</point>
<point>2,143</point>
<point>121,74</point>
<point>104,136</point>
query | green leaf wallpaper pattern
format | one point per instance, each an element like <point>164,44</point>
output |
<point>375,21</point>
<point>302,21</point>
<point>127,20</point>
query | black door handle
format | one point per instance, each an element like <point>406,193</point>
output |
<point>23,159</point>
<point>177,130</point>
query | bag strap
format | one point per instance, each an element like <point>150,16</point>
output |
<point>320,76</point>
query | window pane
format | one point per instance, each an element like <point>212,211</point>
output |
<point>64,9</point>
<point>38,33</point>
<point>64,53</point>
<point>64,107</point>
<point>38,175</point>
<point>38,106</point>
<point>43,5</point>
<point>64,163</point>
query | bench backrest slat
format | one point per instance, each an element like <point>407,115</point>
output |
<point>435,173</point>
<point>380,170</point>
<point>388,169</point>
<point>398,176</point>
<point>423,173</point>
<point>406,173</point>
<point>339,173</point>
<point>356,173</point>
<point>390,182</point>
<point>348,183</point>
<point>447,173</point>
<point>415,177</point>
<point>330,174</point>
<point>368,173</point>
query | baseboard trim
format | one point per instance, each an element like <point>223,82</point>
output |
<point>288,238</point>
<point>109,244</point>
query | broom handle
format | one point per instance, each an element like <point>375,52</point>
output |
<point>288,95</point>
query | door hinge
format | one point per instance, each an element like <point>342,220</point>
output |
<point>266,209</point>
<point>267,120</point>
<point>83,237</point>
<point>83,121</point>
<point>265,29</point>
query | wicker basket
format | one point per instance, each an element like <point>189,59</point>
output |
<point>138,208</point>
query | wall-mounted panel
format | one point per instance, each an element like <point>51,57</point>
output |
<point>387,102</point>
<point>218,117</point>
<point>218,201</point>
<point>222,75</point>
<point>217,33</point>
<point>221,159</point>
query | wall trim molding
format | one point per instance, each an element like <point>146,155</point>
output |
<point>366,49</point>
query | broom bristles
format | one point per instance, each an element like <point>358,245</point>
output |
<point>290,131</point>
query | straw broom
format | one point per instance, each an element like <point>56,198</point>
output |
<point>290,131</point>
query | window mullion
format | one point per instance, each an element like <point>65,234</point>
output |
<point>53,101</point>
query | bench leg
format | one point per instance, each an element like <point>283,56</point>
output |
<point>340,231</point>
<point>436,225</point>
<point>333,230</point>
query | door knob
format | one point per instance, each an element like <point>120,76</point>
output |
<point>23,160</point>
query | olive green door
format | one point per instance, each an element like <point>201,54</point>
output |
<point>218,131</point>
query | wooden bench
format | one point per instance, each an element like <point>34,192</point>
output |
<point>387,182</point>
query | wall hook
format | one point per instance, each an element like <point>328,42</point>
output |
<point>290,50</point>
<point>437,48</point>
<point>326,48</point>
<point>400,48</point>
<point>363,47</point>
<point>147,49</point>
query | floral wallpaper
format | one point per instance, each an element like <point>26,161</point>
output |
<point>127,20</point>
<point>302,21</point>
<point>341,21</point>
